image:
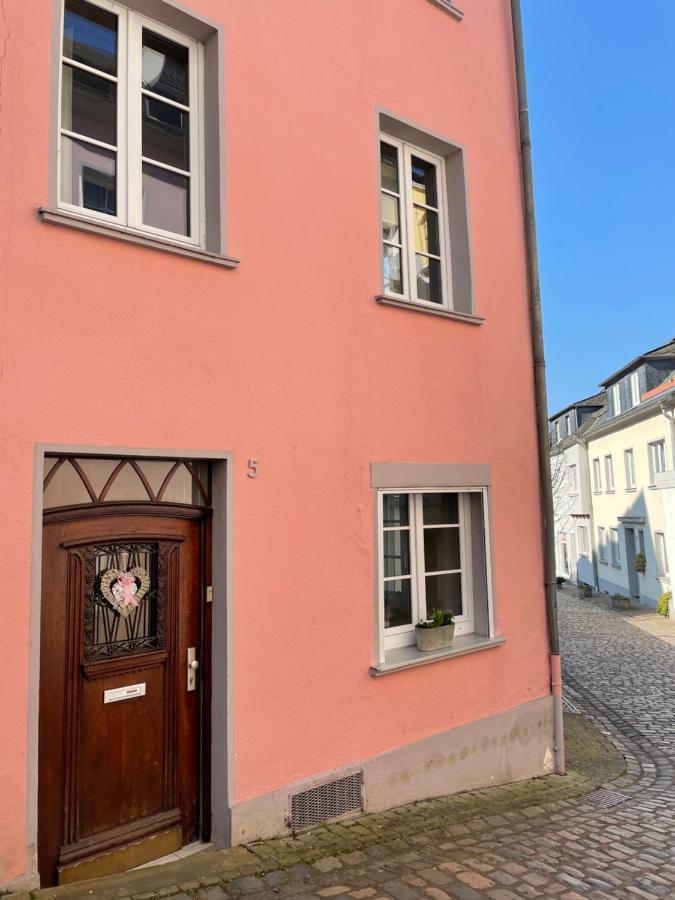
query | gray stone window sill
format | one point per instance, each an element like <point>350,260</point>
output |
<point>410,657</point>
<point>631,490</point>
<point>120,233</point>
<point>609,492</point>
<point>470,319</point>
<point>603,562</point>
<point>449,7</point>
<point>616,565</point>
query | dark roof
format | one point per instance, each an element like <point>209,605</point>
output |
<point>629,414</point>
<point>665,351</point>
<point>595,400</point>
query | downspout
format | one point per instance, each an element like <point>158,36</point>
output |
<point>537,335</point>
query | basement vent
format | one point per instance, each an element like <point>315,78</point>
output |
<point>327,801</point>
<point>604,799</point>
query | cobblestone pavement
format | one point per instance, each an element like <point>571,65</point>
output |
<point>506,843</point>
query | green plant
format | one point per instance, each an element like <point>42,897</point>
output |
<point>438,618</point>
<point>584,588</point>
<point>663,604</point>
<point>620,597</point>
<point>640,562</point>
<point>560,580</point>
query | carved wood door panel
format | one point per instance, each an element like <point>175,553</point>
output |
<point>119,729</point>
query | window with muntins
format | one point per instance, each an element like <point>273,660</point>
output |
<point>614,546</point>
<point>635,389</point>
<point>131,132</point>
<point>415,257</point>
<point>630,469</point>
<point>609,474</point>
<point>602,545</point>
<point>657,459</point>
<point>597,476</point>
<point>572,478</point>
<point>431,556</point>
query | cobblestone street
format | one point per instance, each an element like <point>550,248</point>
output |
<point>505,843</point>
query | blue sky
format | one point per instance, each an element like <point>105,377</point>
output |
<point>601,84</point>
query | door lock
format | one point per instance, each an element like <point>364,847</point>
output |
<point>192,666</point>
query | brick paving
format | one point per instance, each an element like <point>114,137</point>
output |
<point>538,839</point>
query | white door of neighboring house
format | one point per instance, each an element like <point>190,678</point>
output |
<point>572,542</point>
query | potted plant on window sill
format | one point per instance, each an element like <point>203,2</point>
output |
<point>437,632</point>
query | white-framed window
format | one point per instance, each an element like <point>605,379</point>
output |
<point>597,476</point>
<point>614,549</point>
<point>565,556</point>
<point>635,389</point>
<point>609,473</point>
<point>629,463</point>
<point>131,122</point>
<point>415,242</point>
<point>661,554</point>
<point>572,479</point>
<point>640,540</point>
<point>568,426</point>
<point>616,399</point>
<point>657,459</point>
<point>602,545</point>
<point>432,544</point>
<point>583,539</point>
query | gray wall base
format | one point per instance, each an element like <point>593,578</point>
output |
<point>509,746</point>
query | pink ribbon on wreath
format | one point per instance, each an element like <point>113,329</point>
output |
<point>127,582</point>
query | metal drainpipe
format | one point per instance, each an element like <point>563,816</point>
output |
<point>537,334</point>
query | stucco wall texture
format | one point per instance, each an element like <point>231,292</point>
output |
<point>287,359</point>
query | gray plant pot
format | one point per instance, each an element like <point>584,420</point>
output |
<point>434,638</point>
<point>623,603</point>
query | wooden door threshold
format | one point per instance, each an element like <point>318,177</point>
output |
<point>130,856</point>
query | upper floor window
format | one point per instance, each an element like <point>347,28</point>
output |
<point>630,469</point>
<point>661,553</point>
<point>616,399</point>
<point>634,389</point>
<point>572,479</point>
<point>614,549</point>
<point>130,141</point>
<point>597,476</point>
<point>414,233</point>
<point>657,459</point>
<point>609,473</point>
<point>602,545</point>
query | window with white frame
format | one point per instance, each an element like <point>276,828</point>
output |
<point>597,476</point>
<point>131,131</point>
<point>584,541</point>
<point>614,550</point>
<point>572,479</point>
<point>602,545</point>
<point>629,463</point>
<point>415,257</point>
<point>616,399</point>
<point>568,426</point>
<point>661,554</point>
<point>609,473</point>
<point>635,389</point>
<point>565,556</point>
<point>657,459</point>
<point>432,555</point>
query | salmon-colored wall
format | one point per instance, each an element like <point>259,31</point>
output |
<point>287,359</point>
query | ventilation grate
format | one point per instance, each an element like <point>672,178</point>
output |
<point>570,707</point>
<point>604,799</point>
<point>326,801</point>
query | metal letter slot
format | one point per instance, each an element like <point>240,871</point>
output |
<point>192,666</point>
<point>124,693</point>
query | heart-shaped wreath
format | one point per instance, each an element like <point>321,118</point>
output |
<point>125,590</point>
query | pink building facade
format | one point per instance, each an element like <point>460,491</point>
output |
<point>256,428</point>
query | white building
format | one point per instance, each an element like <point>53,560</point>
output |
<point>622,461</point>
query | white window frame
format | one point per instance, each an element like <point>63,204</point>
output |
<point>404,635</point>
<point>565,561</point>
<point>614,548</point>
<point>129,161</point>
<point>597,476</point>
<point>602,545</point>
<point>609,474</point>
<point>629,464</point>
<point>635,389</point>
<point>583,540</point>
<point>405,152</point>
<point>657,459</point>
<point>661,552</point>
<point>616,399</point>
<point>573,479</point>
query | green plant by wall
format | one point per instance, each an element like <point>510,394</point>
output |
<point>640,562</point>
<point>438,618</point>
<point>663,604</point>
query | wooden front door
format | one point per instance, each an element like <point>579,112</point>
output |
<point>119,741</point>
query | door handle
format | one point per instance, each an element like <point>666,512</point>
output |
<point>192,666</point>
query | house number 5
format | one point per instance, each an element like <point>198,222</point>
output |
<point>252,468</point>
